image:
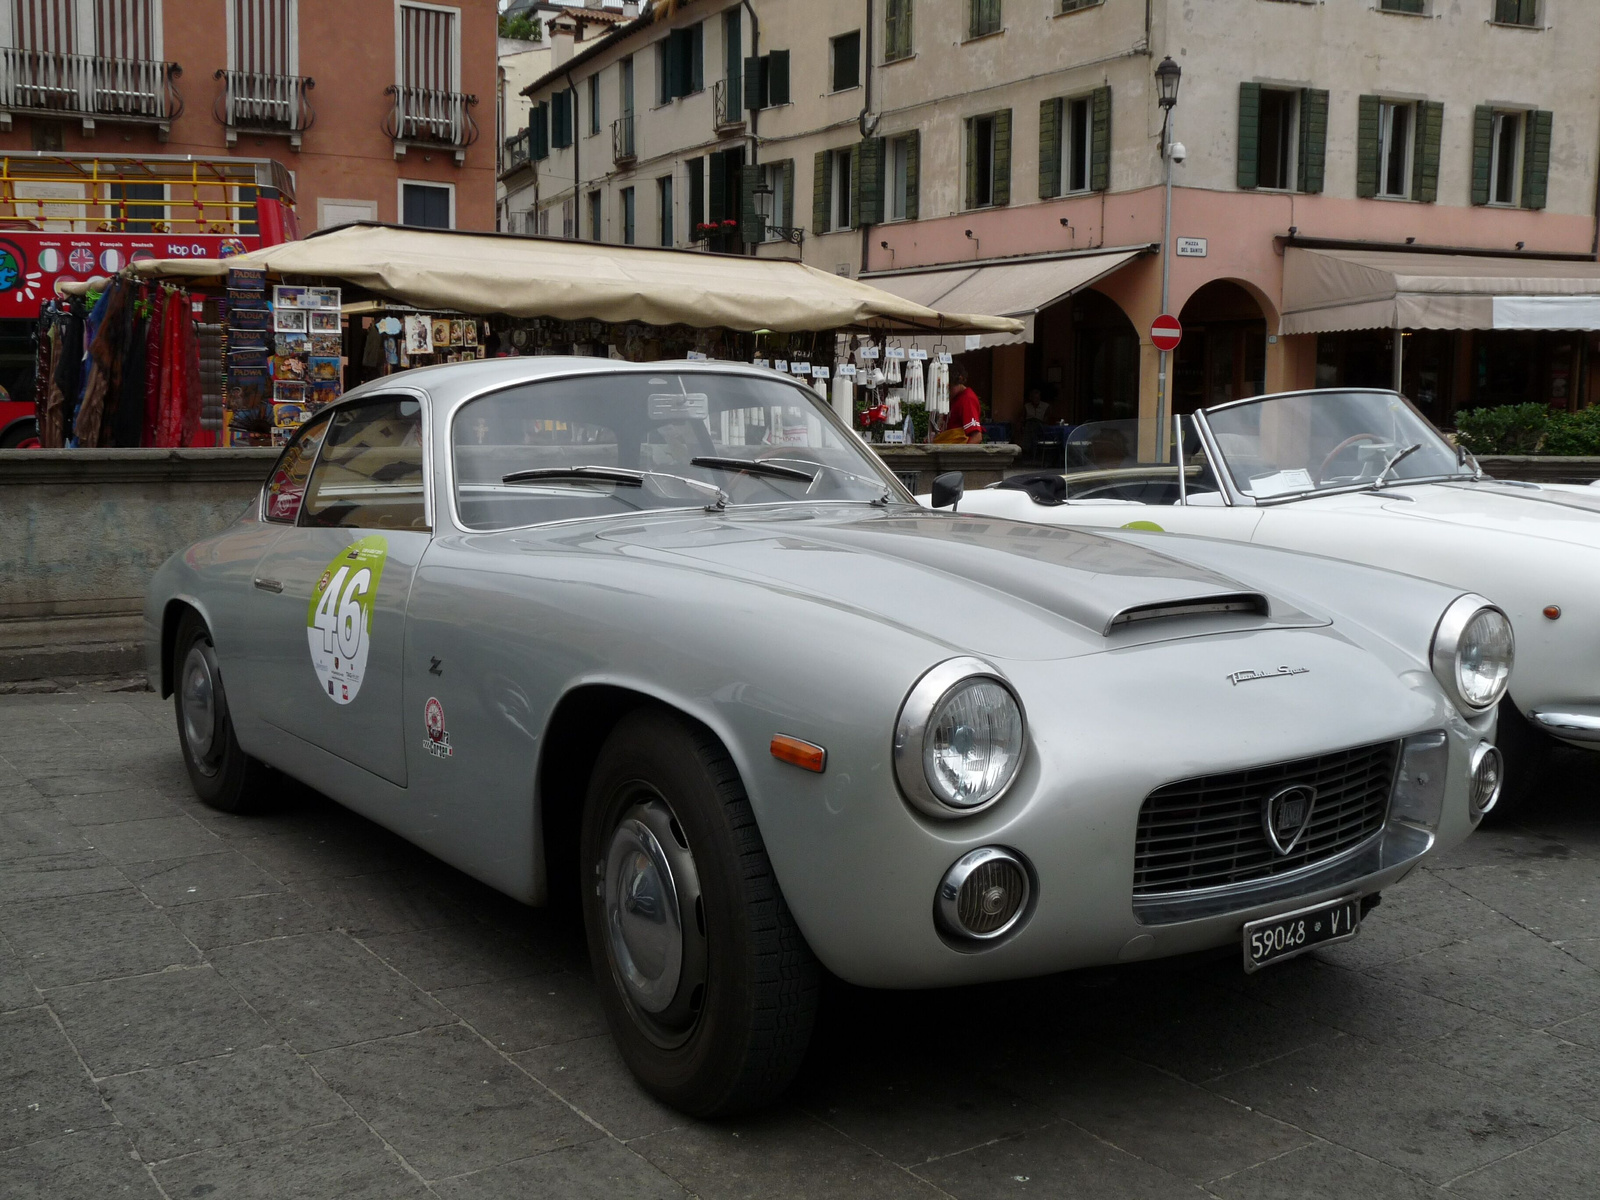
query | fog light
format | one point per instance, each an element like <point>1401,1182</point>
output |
<point>983,895</point>
<point>1488,774</point>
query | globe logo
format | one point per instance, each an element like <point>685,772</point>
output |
<point>10,271</point>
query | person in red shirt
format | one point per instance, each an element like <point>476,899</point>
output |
<point>964,414</point>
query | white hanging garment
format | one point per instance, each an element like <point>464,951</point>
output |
<point>895,395</point>
<point>821,384</point>
<point>844,399</point>
<point>938,388</point>
<point>915,393</point>
<point>892,374</point>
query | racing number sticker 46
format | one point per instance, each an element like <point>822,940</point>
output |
<point>339,620</point>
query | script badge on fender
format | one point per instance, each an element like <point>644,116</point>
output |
<point>438,741</point>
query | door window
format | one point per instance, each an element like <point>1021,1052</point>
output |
<point>369,475</point>
<point>286,487</point>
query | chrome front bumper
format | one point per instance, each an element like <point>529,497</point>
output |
<point>1570,722</point>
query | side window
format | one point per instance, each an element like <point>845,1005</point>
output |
<point>286,486</point>
<point>370,473</point>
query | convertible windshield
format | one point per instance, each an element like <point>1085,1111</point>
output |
<point>1282,446</point>
<point>629,441</point>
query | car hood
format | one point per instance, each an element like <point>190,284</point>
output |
<point>1003,588</point>
<point>1524,509</point>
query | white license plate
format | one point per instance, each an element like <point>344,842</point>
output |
<point>1273,939</point>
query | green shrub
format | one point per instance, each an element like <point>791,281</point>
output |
<point>1573,433</point>
<point>1507,429</point>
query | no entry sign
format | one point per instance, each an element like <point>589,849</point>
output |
<point>1165,332</point>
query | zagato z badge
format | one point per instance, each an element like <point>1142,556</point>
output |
<point>438,743</point>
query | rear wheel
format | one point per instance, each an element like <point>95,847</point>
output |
<point>221,773</point>
<point>1526,750</point>
<point>708,986</point>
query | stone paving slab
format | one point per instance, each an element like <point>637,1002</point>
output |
<point>301,1004</point>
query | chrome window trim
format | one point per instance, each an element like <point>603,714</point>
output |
<point>425,416</point>
<point>1231,496</point>
<point>447,446</point>
<point>261,495</point>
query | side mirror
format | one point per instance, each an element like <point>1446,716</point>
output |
<point>948,489</point>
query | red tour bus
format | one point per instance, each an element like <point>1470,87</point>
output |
<point>75,216</point>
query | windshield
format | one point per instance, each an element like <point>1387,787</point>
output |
<point>1315,441</point>
<point>668,439</point>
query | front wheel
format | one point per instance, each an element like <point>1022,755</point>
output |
<point>221,773</point>
<point>709,988</point>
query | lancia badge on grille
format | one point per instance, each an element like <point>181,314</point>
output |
<point>1286,814</point>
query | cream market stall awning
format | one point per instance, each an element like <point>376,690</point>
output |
<point>588,281</point>
<point>1010,289</point>
<point>1325,291</point>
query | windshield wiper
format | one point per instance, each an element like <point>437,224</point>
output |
<point>617,475</point>
<point>1394,462</point>
<point>754,466</point>
<point>880,500</point>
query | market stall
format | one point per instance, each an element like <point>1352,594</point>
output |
<point>399,297</point>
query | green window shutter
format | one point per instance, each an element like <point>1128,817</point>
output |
<point>869,182</point>
<point>672,61</point>
<point>717,201</point>
<point>1536,159</point>
<point>732,58</point>
<point>752,226</point>
<point>777,81</point>
<point>754,93</point>
<point>974,17</point>
<point>1367,148</point>
<point>539,131</point>
<point>855,186</point>
<point>1482,152</point>
<point>1249,134</point>
<point>821,190</point>
<point>1425,164</point>
<point>1002,157</point>
<point>972,161</point>
<point>697,66</point>
<point>1050,148</point>
<point>896,30</point>
<point>1313,140</point>
<point>1100,140</point>
<point>787,216</point>
<point>695,168</point>
<point>913,167</point>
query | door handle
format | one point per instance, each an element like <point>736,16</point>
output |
<point>268,585</point>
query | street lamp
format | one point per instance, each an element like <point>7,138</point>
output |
<point>762,198</point>
<point>1168,75</point>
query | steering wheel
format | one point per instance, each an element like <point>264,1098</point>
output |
<point>1354,439</point>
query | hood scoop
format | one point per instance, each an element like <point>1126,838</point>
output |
<point>1249,603</point>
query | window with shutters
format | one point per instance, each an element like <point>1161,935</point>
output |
<point>680,63</point>
<point>896,30</point>
<point>1076,139</point>
<point>1068,6</point>
<point>539,131</point>
<point>427,205</point>
<point>1414,8</point>
<point>665,232</point>
<point>1505,158</point>
<point>596,220</point>
<point>766,80</point>
<point>1517,12</point>
<point>544,222</point>
<point>1278,139</point>
<point>845,58</point>
<point>594,104</point>
<point>628,213</point>
<point>901,178</point>
<point>86,57</point>
<point>695,171</point>
<point>1396,126</point>
<point>561,106</point>
<point>429,105</point>
<point>569,218</point>
<point>732,86</point>
<point>262,87</point>
<point>983,18</point>
<point>982,142</point>
<point>841,212</point>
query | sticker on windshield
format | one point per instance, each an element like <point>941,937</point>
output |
<point>339,620</point>
<point>682,406</point>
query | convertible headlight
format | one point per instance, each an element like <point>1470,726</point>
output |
<point>1473,650</point>
<point>958,743</point>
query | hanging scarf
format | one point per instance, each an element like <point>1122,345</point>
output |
<point>154,341</point>
<point>53,409</point>
<point>101,390</point>
<point>128,420</point>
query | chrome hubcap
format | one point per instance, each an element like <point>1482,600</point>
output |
<point>651,894</point>
<point>199,704</point>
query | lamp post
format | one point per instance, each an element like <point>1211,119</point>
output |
<point>1168,73</point>
<point>761,196</point>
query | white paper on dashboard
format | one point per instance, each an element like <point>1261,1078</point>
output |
<point>1296,479</point>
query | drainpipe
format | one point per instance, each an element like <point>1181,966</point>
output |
<point>866,111</point>
<point>577,175</point>
<point>755,52</point>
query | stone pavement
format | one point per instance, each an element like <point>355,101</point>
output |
<point>301,1005</point>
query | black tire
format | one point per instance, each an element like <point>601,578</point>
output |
<point>221,773</point>
<point>735,1029</point>
<point>1526,750</point>
<point>19,432</point>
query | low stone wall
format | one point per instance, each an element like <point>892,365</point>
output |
<point>1542,469</point>
<point>982,464</point>
<point>82,531</point>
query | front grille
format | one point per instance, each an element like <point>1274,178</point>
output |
<point>1208,832</point>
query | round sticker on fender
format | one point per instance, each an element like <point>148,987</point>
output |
<point>339,620</point>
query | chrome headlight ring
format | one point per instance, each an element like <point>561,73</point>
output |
<point>1468,625</point>
<point>927,699</point>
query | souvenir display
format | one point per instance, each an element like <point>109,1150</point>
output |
<point>291,343</point>
<point>441,332</point>
<point>288,392</point>
<point>323,369</point>
<point>321,298</point>
<point>288,366</point>
<point>458,332</point>
<point>419,335</point>
<point>289,320</point>
<point>324,320</point>
<point>289,415</point>
<point>324,343</point>
<point>247,279</point>
<point>288,297</point>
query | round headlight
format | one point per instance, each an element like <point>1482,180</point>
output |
<point>1473,650</point>
<point>958,743</point>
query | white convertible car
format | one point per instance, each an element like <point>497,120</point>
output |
<point>1360,475</point>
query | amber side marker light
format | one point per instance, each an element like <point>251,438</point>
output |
<point>1553,612</point>
<point>799,753</point>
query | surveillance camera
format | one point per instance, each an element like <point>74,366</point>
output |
<point>1178,152</point>
<point>885,245</point>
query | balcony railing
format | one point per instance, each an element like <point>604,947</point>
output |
<point>88,87</point>
<point>251,102</point>
<point>515,152</point>
<point>722,117</point>
<point>622,149</point>
<point>429,117</point>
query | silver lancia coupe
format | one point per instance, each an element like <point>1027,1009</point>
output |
<point>670,638</point>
